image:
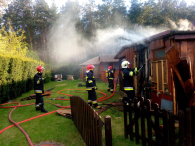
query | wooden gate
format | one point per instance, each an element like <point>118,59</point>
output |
<point>89,124</point>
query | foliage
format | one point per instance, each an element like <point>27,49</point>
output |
<point>3,5</point>
<point>16,76</point>
<point>38,21</point>
<point>11,42</point>
<point>32,54</point>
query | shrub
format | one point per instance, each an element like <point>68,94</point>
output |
<point>16,75</point>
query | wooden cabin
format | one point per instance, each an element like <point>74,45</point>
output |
<point>157,80</point>
<point>101,64</point>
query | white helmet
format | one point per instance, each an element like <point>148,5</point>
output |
<point>124,64</point>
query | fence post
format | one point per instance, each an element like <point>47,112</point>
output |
<point>149,123</point>
<point>88,136</point>
<point>108,130</point>
<point>125,119</point>
<point>136,120</point>
<point>188,127</point>
<point>181,128</point>
<point>96,128</point>
<point>130,129</point>
<point>143,122</point>
<point>100,125</point>
<point>156,125</point>
<point>171,128</point>
<point>165,128</point>
<point>193,126</point>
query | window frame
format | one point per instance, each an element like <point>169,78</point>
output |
<point>163,61</point>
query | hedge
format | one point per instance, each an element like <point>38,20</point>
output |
<point>16,76</point>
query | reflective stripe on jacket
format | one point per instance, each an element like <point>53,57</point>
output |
<point>128,78</point>
<point>90,80</point>
<point>111,74</point>
<point>128,88</point>
<point>38,83</point>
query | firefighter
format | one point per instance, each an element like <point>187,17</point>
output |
<point>107,79</point>
<point>127,75</point>
<point>91,87</point>
<point>111,78</point>
<point>39,89</point>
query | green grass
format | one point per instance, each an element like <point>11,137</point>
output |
<point>53,127</point>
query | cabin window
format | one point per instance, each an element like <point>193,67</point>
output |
<point>159,71</point>
<point>159,54</point>
<point>105,65</point>
<point>116,65</point>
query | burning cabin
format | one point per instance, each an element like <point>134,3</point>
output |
<point>163,80</point>
<point>101,64</point>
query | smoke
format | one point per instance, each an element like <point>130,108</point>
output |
<point>182,25</point>
<point>70,46</point>
<point>112,39</point>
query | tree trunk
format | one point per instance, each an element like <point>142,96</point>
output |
<point>85,55</point>
<point>94,48</point>
<point>30,37</point>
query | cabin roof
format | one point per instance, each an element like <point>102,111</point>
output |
<point>94,61</point>
<point>101,58</point>
<point>108,58</point>
<point>164,34</point>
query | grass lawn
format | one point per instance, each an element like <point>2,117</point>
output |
<point>53,127</point>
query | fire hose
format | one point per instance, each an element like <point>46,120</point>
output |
<point>63,107</point>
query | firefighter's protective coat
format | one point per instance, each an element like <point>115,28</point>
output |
<point>128,78</point>
<point>38,83</point>
<point>110,79</point>
<point>90,80</point>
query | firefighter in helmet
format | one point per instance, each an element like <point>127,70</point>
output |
<point>39,89</point>
<point>91,87</point>
<point>111,72</point>
<point>107,79</point>
<point>127,75</point>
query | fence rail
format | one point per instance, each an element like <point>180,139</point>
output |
<point>89,124</point>
<point>154,126</point>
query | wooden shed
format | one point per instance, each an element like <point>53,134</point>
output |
<point>101,64</point>
<point>158,76</point>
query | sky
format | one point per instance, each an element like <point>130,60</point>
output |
<point>59,3</point>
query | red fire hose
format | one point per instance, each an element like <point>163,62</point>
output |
<point>27,137</point>
<point>103,98</point>
<point>63,107</point>
<point>98,100</point>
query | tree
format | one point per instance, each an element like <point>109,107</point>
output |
<point>103,16</point>
<point>119,13</point>
<point>134,11</point>
<point>150,14</point>
<point>3,5</point>
<point>11,42</point>
<point>20,14</point>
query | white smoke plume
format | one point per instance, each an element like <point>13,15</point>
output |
<point>69,45</point>
<point>182,25</point>
<point>115,38</point>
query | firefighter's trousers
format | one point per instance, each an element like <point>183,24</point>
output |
<point>111,85</point>
<point>39,98</point>
<point>92,95</point>
<point>130,95</point>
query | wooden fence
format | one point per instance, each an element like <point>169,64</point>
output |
<point>89,124</point>
<point>154,126</point>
